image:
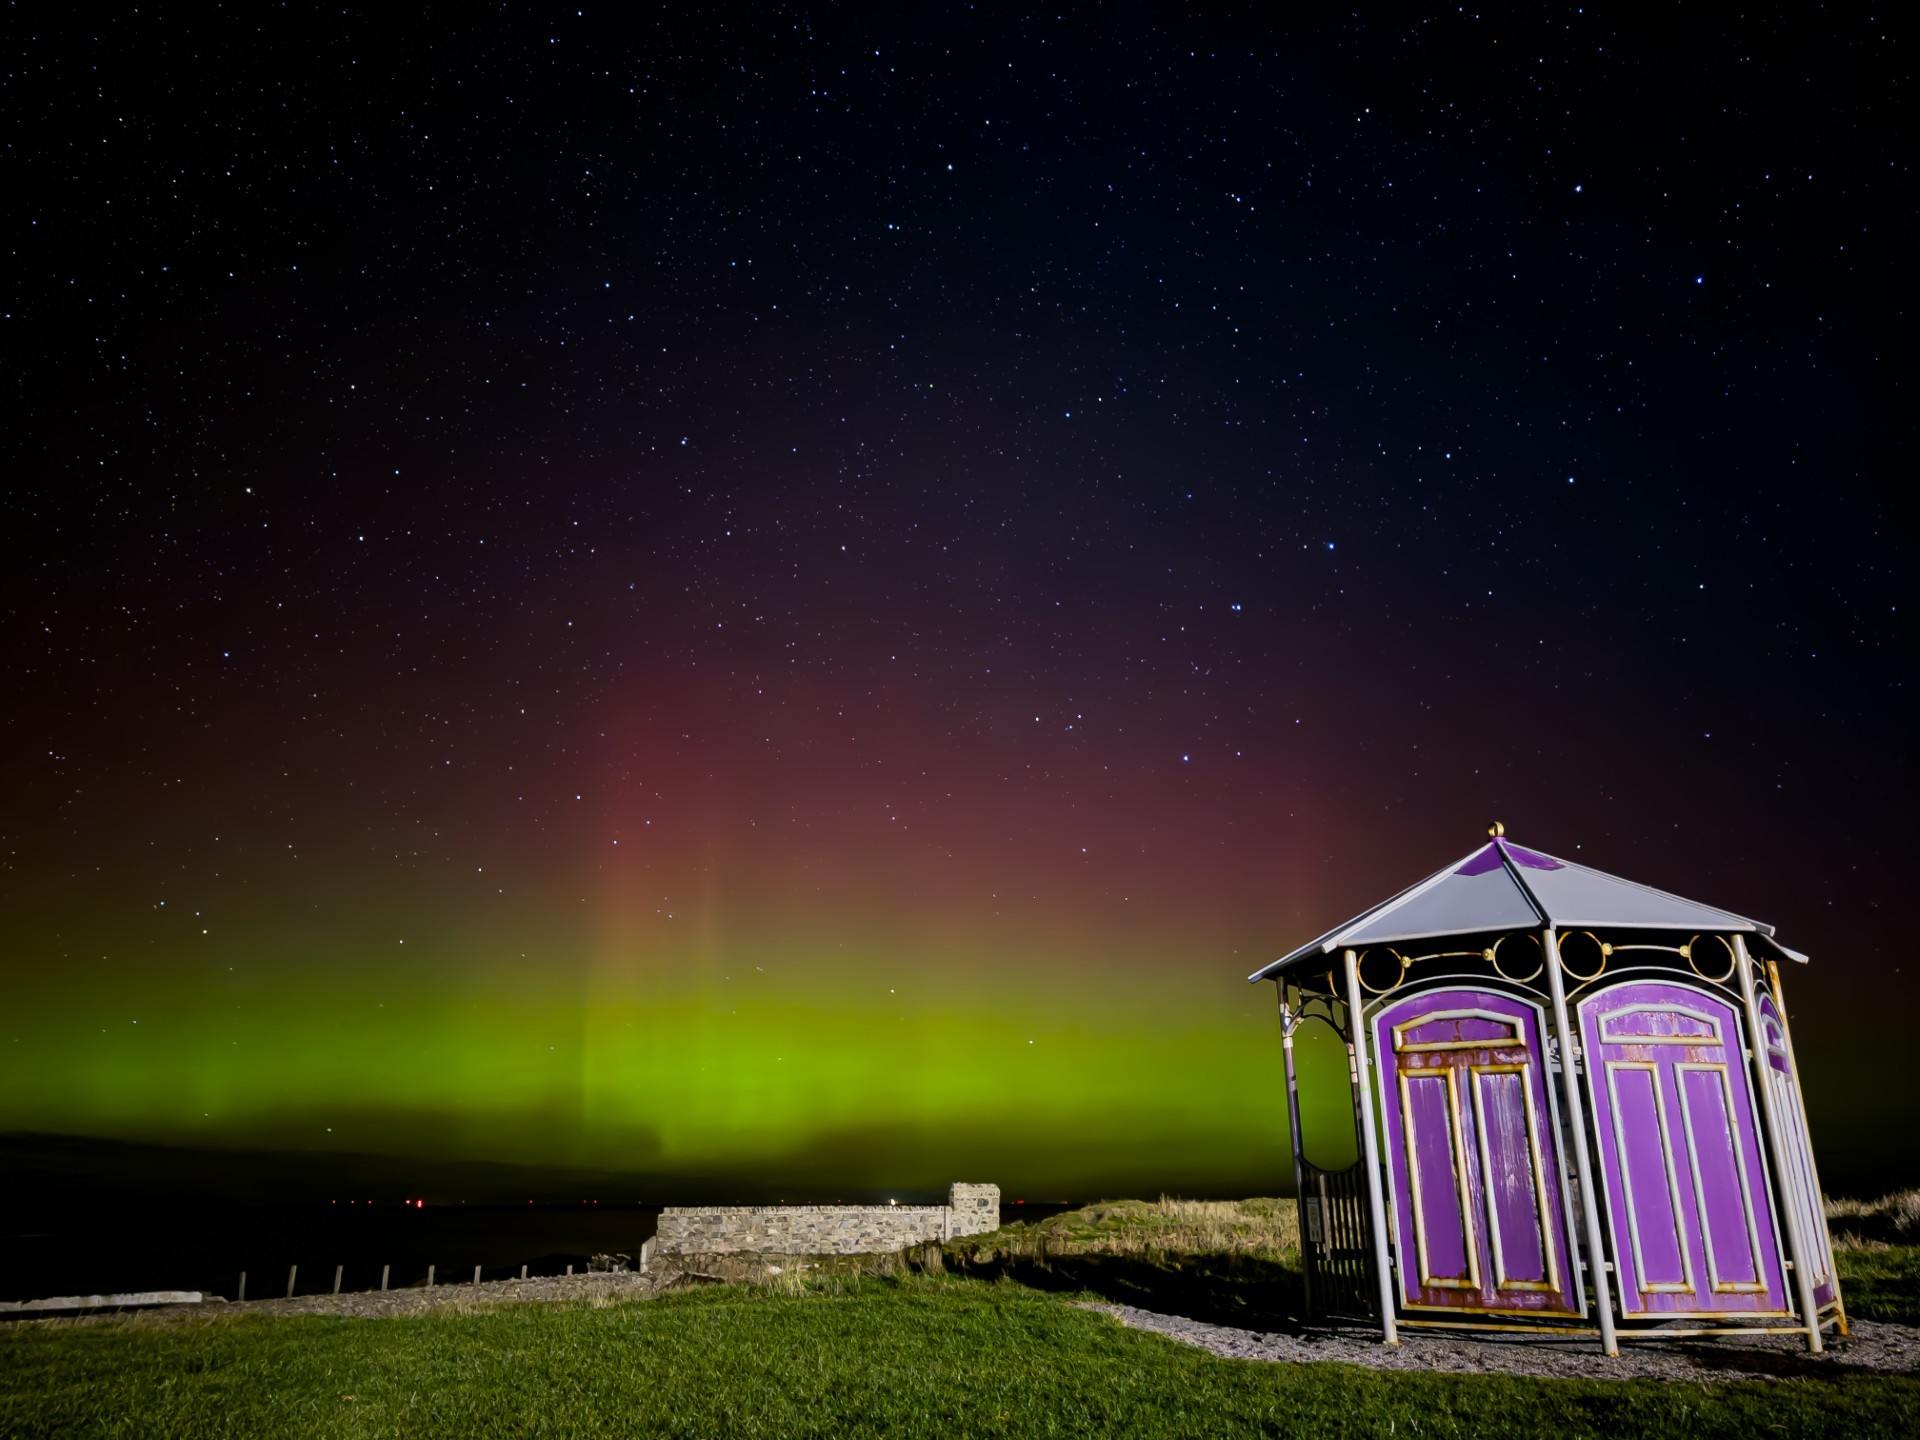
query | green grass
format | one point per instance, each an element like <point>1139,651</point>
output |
<point>909,1354</point>
<point>1880,1282</point>
<point>1876,1248</point>
<point>1165,1226</point>
<point>1228,1262</point>
<point>913,1356</point>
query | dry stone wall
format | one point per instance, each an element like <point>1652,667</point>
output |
<point>824,1229</point>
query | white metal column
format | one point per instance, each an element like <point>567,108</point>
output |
<point>1798,1243</point>
<point>1370,1140</point>
<point>1582,1162</point>
<point>1813,1163</point>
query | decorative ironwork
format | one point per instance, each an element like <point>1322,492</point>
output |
<point>1605,950</point>
<point>1539,958</point>
<point>1400,966</point>
<point>1692,951</point>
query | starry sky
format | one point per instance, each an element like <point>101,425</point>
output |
<point>777,593</point>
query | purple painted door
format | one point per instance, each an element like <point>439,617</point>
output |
<point>1801,1189</point>
<point>1688,1207</point>
<point>1479,1211</point>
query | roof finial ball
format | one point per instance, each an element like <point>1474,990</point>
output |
<point>1496,830</point>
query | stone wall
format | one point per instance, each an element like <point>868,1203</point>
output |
<point>824,1229</point>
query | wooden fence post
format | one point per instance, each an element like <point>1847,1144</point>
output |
<point>243,1284</point>
<point>292,1271</point>
<point>429,1277</point>
<point>569,1270</point>
<point>383,1276</point>
<point>336,1278</point>
<point>476,1274</point>
<point>523,1271</point>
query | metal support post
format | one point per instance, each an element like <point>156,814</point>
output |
<point>1813,1165</point>
<point>1370,1142</point>
<point>1582,1161</point>
<point>1288,1021</point>
<point>1797,1244</point>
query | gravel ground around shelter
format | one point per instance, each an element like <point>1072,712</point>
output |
<point>1885,1349</point>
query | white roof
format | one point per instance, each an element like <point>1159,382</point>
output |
<point>1503,886</point>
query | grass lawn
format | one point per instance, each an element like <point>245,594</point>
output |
<point>1881,1283</point>
<point>1228,1262</point>
<point>1876,1248</point>
<point>1265,1225</point>
<point>916,1355</point>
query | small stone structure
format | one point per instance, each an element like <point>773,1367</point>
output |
<point>824,1229</point>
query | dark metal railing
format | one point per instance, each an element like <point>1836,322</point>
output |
<point>1335,1248</point>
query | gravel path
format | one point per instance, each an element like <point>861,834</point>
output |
<point>1889,1349</point>
<point>418,1299</point>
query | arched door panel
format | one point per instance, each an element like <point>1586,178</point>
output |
<point>1687,1200</point>
<point>1479,1209</point>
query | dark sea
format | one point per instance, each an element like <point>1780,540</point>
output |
<point>206,1247</point>
<point>85,1217</point>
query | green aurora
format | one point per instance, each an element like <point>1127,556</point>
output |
<point>883,1059</point>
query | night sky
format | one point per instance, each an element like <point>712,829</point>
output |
<point>782,595</point>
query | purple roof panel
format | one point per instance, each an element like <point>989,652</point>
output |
<point>1485,859</point>
<point>1530,859</point>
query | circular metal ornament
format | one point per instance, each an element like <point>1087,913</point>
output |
<point>1539,958</point>
<point>1605,950</point>
<point>1693,958</point>
<point>1398,973</point>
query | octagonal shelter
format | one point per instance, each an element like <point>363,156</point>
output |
<point>1661,1183</point>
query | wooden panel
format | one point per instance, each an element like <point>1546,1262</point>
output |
<point>1687,1200</point>
<point>1479,1210</point>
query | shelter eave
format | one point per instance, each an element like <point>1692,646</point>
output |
<point>1766,944</point>
<point>1761,937</point>
<point>1729,925</point>
<point>1338,940</point>
<point>1272,968</point>
<point>1332,939</point>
